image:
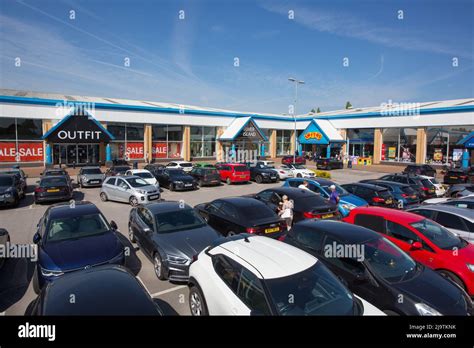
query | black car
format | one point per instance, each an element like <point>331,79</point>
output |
<point>420,169</point>
<point>235,215</point>
<point>104,290</point>
<point>329,163</point>
<point>175,179</point>
<point>307,204</point>
<point>154,167</point>
<point>259,172</point>
<point>423,186</point>
<point>53,188</point>
<point>404,194</point>
<point>378,271</point>
<point>20,174</point>
<point>10,190</point>
<point>4,239</point>
<point>206,176</point>
<point>374,194</point>
<point>459,190</point>
<point>456,176</point>
<point>170,234</point>
<point>117,170</point>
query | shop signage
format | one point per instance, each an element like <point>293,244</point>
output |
<point>250,131</point>
<point>384,150</point>
<point>134,151</point>
<point>438,155</point>
<point>78,129</point>
<point>27,152</point>
<point>159,150</point>
<point>313,135</point>
<point>392,151</point>
<point>457,155</point>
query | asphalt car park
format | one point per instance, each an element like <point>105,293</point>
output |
<point>16,285</point>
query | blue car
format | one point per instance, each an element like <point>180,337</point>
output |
<point>347,201</point>
<point>71,238</point>
<point>405,195</point>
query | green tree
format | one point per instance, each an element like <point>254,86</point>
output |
<point>318,111</point>
<point>313,111</point>
<point>348,105</point>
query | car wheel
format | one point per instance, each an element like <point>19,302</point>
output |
<point>258,179</point>
<point>103,197</point>
<point>200,183</point>
<point>230,233</point>
<point>131,235</point>
<point>158,266</point>
<point>36,286</point>
<point>228,181</point>
<point>454,278</point>
<point>133,201</point>
<point>197,305</point>
<point>299,175</point>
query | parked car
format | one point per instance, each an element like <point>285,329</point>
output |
<point>424,240</point>
<point>203,165</point>
<point>100,291</point>
<point>10,190</point>
<point>183,165</point>
<point>169,234</point>
<point>254,275</point>
<point>290,160</point>
<point>429,181</point>
<point>405,195</point>
<point>300,171</point>
<point>53,189</point>
<point>4,239</point>
<point>22,177</point>
<point>456,176</point>
<point>120,162</point>
<point>374,194</point>
<point>460,190</point>
<point>90,176</point>
<point>329,163</point>
<point>153,168</point>
<point>206,176</point>
<point>284,172</point>
<point>260,173</point>
<point>71,239</point>
<point>145,175</point>
<point>233,173</point>
<point>307,204</point>
<point>128,189</point>
<point>57,172</point>
<point>424,188</point>
<point>379,271</point>
<point>466,202</point>
<point>117,170</point>
<point>233,215</point>
<point>347,201</point>
<point>457,220</point>
<point>175,179</point>
<point>420,169</point>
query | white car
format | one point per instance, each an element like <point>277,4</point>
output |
<point>256,275</point>
<point>145,175</point>
<point>284,172</point>
<point>439,188</point>
<point>184,165</point>
<point>299,171</point>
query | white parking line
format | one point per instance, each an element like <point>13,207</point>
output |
<point>2,314</point>
<point>141,281</point>
<point>168,290</point>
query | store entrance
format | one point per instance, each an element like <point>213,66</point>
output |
<point>76,154</point>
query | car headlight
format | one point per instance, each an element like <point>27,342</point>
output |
<point>348,206</point>
<point>424,309</point>
<point>177,259</point>
<point>470,266</point>
<point>49,273</point>
<point>142,192</point>
<point>7,194</point>
<point>178,182</point>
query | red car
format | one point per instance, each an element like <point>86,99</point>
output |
<point>233,172</point>
<point>289,160</point>
<point>424,240</point>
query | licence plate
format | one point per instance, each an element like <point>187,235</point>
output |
<point>188,185</point>
<point>453,177</point>
<point>53,190</point>
<point>94,181</point>
<point>389,201</point>
<point>413,197</point>
<point>327,216</point>
<point>153,197</point>
<point>271,230</point>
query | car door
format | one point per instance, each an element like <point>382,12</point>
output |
<point>146,222</point>
<point>229,219</point>
<point>110,188</point>
<point>455,224</point>
<point>212,216</point>
<point>122,190</point>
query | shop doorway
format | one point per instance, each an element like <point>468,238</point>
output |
<point>76,154</point>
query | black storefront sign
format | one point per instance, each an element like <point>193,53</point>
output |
<point>250,132</point>
<point>78,129</point>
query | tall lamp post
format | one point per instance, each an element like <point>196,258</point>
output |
<point>296,82</point>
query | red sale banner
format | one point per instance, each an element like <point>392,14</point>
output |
<point>134,151</point>
<point>159,150</point>
<point>27,152</point>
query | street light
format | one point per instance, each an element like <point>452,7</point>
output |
<point>297,82</point>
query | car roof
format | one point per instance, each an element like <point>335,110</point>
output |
<point>388,182</point>
<point>292,192</point>
<point>126,177</point>
<point>139,171</point>
<point>64,209</point>
<point>49,177</point>
<point>179,162</point>
<point>91,167</point>
<point>164,206</point>
<point>344,232</point>
<point>466,213</point>
<point>270,257</point>
<point>399,215</point>
<point>241,201</point>
<point>7,175</point>
<point>54,170</point>
<point>366,185</point>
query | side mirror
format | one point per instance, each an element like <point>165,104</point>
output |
<point>416,246</point>
<point>36,238</point>
<point>41,173</point>
<point>161,190</point>
<point>113,224</point>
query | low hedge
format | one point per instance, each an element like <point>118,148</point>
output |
<point>322,173</point>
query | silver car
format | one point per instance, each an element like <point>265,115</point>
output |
<point>90,176</point>
<point>131,189</point>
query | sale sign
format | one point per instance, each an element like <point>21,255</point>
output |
<point>159,150</point>
<point>134,151</point>
<point>27,152</point>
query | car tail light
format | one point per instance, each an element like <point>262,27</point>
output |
<point>463,177</point>
<point>282,172</point>
<point>39,190</point>
<point>282,238</point>
<point>310,215</point>
<point>404,195</point>
<point>251,230</point>
<point>378,200</point>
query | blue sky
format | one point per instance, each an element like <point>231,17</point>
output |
<point>191,61</point>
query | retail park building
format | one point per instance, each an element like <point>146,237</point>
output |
<point>39,127</point>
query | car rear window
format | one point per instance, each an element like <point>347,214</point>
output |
<point>53,182</point>
<point>408,190</point>
<point>254,212</point>
<point>384,193</point>
<point>185,165</point>
<point>210,171</point>
<point>6,181</point>
<point>241,169</point>
<point>426,183</point>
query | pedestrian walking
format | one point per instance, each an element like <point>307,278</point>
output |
<point>334,197</point>
<point>286,211</point>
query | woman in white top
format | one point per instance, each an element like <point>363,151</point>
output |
<point>286,211</point>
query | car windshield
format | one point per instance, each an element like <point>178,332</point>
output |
<point>210,171</point>
<point>388,261</point>
<point>91,171</point>
<point>144,175</point>
<point>299,166</point>
<point>179,220</point>
<point>262,166</point>
<point>186,165</point>
<point>408,190</point>
<point>427,182</point>
<point>340,190</point>
<point>6,181</point>
<point>49,182</point>
<point>438,235</point>
<point>314,291</point>
<point>384,194</point>
<point>176,172</point>
<point>137,182</point>
<point>55,172</point>
<point>10,172</point>
<point>76,227</point>
<point>241,169</point>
